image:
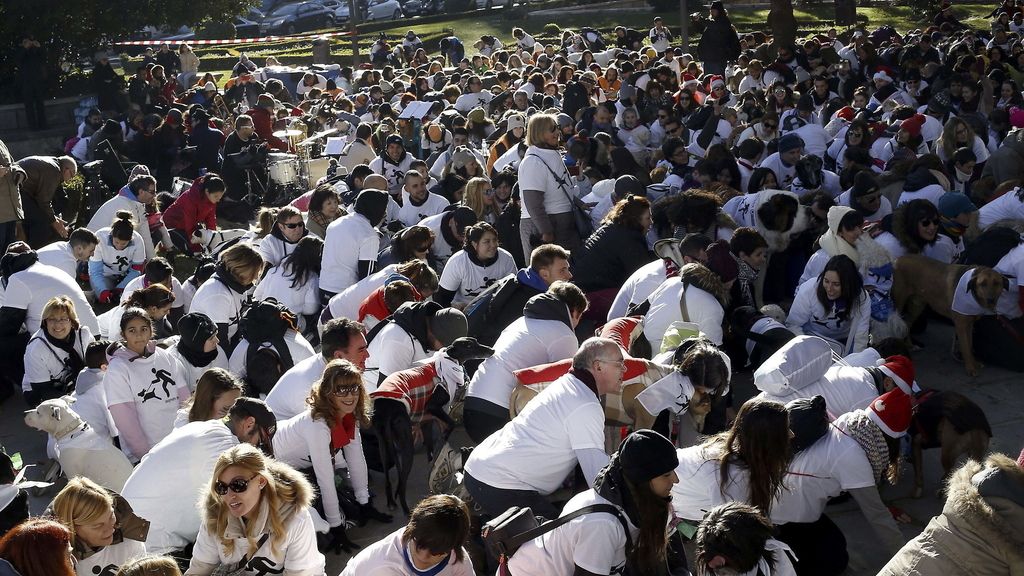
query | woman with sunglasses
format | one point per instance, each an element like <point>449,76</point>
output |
<point>833,306</point>
<point>145,385</point>
<point>914,229</point>
<point>256,517</point>
<point>56,353</point>
<point>155,299</point>
<point>105,533</point>
<point>288,230</point>
<point>326,436</point>
<point>855,135</point>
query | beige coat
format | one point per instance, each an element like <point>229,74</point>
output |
<point>977,534</point>
<point>10,199</point>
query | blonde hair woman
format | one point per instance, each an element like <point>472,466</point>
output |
<point>475,196</point>
<point>326,432</point>
<point>256,513</point>
<point>104,530</point>
<point>56,353</point>
<point>150,566</point>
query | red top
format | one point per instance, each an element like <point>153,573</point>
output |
<point>191,209</point>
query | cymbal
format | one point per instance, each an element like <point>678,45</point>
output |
<point>317,136</point>
<point>287,133</point>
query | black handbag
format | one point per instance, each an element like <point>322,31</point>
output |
<point>516,526</point>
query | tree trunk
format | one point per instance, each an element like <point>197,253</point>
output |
<point>782,22</point>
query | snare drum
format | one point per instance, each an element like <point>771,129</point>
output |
<point>284,171</point>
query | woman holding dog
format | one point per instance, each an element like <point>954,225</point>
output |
<point>105,533</point>
<point>327,435</point>
<point>834,306</point>
<point>56,353</point>
<point>145,385</point>
<point>256,517</point>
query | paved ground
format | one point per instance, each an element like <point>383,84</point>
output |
<point>994,390</point>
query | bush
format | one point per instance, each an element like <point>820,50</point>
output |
<point>215,31</point>
<point>551,29</point>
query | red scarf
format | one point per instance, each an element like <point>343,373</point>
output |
<point>342,432</point>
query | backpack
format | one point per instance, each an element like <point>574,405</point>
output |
<point>809,421</point>
<point>990,247</point>
<point>478,311</point>
<point>267,320</point>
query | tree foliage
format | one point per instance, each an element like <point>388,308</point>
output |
<point>72,30</point>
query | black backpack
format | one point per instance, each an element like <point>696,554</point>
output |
<point>808,419</point>
<point>478,311</point>
<point>267,321</point>
<point>990,247</point>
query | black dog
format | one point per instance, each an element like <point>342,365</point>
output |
<point>404,398</point>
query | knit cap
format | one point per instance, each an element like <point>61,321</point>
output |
<point>645,455</point>
<point>448,324</point>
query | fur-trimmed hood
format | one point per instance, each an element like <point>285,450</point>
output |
<point>990,498</point>
<point>702,277</point>
<point>778,240</point>
<point>288,508</point>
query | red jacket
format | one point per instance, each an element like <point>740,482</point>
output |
<point>263,122</point>
<point>191,209</point>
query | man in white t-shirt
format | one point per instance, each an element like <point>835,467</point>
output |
<point>80,246</point>
<point>532,455</point>
<point>342,338</point>
<point>352,243</point>
<point>418,203</point>
<point>166,486</point>
<point>30,286</point>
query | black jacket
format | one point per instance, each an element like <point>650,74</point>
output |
<point>607,259</point>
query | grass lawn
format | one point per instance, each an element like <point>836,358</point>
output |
<point>499,23</point>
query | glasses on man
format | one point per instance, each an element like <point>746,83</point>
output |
<point>238,485</point>
<point>620,363</point>
<point>294,225</point>
<point>347,391</point>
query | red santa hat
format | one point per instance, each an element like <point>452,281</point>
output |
<point>846,113</point>
<point>901,370</point>
<point>891,412</point>
<point>913,125</point>
<point>715,81</point>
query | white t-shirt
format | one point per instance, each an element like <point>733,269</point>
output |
<point>538,171</point>
<point>1012,266</point>
<point>595,542</point>
<point>110,558</point>
<point>884,207</point>
<point>274,249</point>
<point>298,553</point>
<point>386,557</point>
<point>395,173</point>
<point>525,343</point>
<point>638,287</point>
<point>45,362</point>
<point>844,388</point>
<point>288,397</point>
<point>392,350</point>
<point>1006,207</point>
<point>193,373</point>
<point>441,249</point>
<point>468,280</point>
<point>965,303</point>
<point>699,488</point>
<point>834,463</point>
<point>942,250</point>
<point>139,282</point>
<point>784,175</point>
<point>222,304</point>
<point>536,450</point>
<point>91,402</point>
<point>350,239</point>
<point>152,383</point>
<point>117,263</point>
<point>411,215</point>
<point>177,470</point>
<point>702,308</point>
<point>302,300</point>
<point>345,304</point>
<point>59,255</point>
<point>32,288</point>
<point>931,193</point>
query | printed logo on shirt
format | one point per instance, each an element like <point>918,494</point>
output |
<point>474,292</point>
<point>121,262</point>
<point>161,377</point>
<point>620,569</point>
<point>108,570</point>
<point>262,566</point>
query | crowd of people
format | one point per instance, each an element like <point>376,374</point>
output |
<point>578,213</point>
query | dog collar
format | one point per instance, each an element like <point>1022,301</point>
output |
<point>77,431</point>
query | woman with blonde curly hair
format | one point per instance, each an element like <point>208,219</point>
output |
<point>104,530</point>
<point>256,514</point>
<point>326,436</point>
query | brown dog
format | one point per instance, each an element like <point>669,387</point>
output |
<point>919,281</point>
<point>949,421</point>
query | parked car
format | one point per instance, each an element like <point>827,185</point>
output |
<point>422,7</point>
<point>383,10</point>
<point>248,24</point>
<point>488,4</point>
<point>301,17</point>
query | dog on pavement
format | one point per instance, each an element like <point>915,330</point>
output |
<point>952,422</point>
<point>920,281</point>
<point>80,450</point>
<point>406,398</point>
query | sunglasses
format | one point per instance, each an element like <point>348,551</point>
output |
<point>928,222</point>
<point>238,485</point>
<point>347,390</point>
<point>294,225</point>
<point>771,126</point>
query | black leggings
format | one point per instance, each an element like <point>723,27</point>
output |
<point>820,546</point>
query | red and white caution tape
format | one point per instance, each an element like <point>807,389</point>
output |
<point>234,41</point>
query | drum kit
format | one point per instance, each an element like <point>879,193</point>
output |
<point>291,175</point>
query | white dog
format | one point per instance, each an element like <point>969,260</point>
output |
<point>80,450</point>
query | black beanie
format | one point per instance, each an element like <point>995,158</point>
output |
<point>373,204</point>
<point>195,329</point>
<point>808,419</point>
<point>645,455</point>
